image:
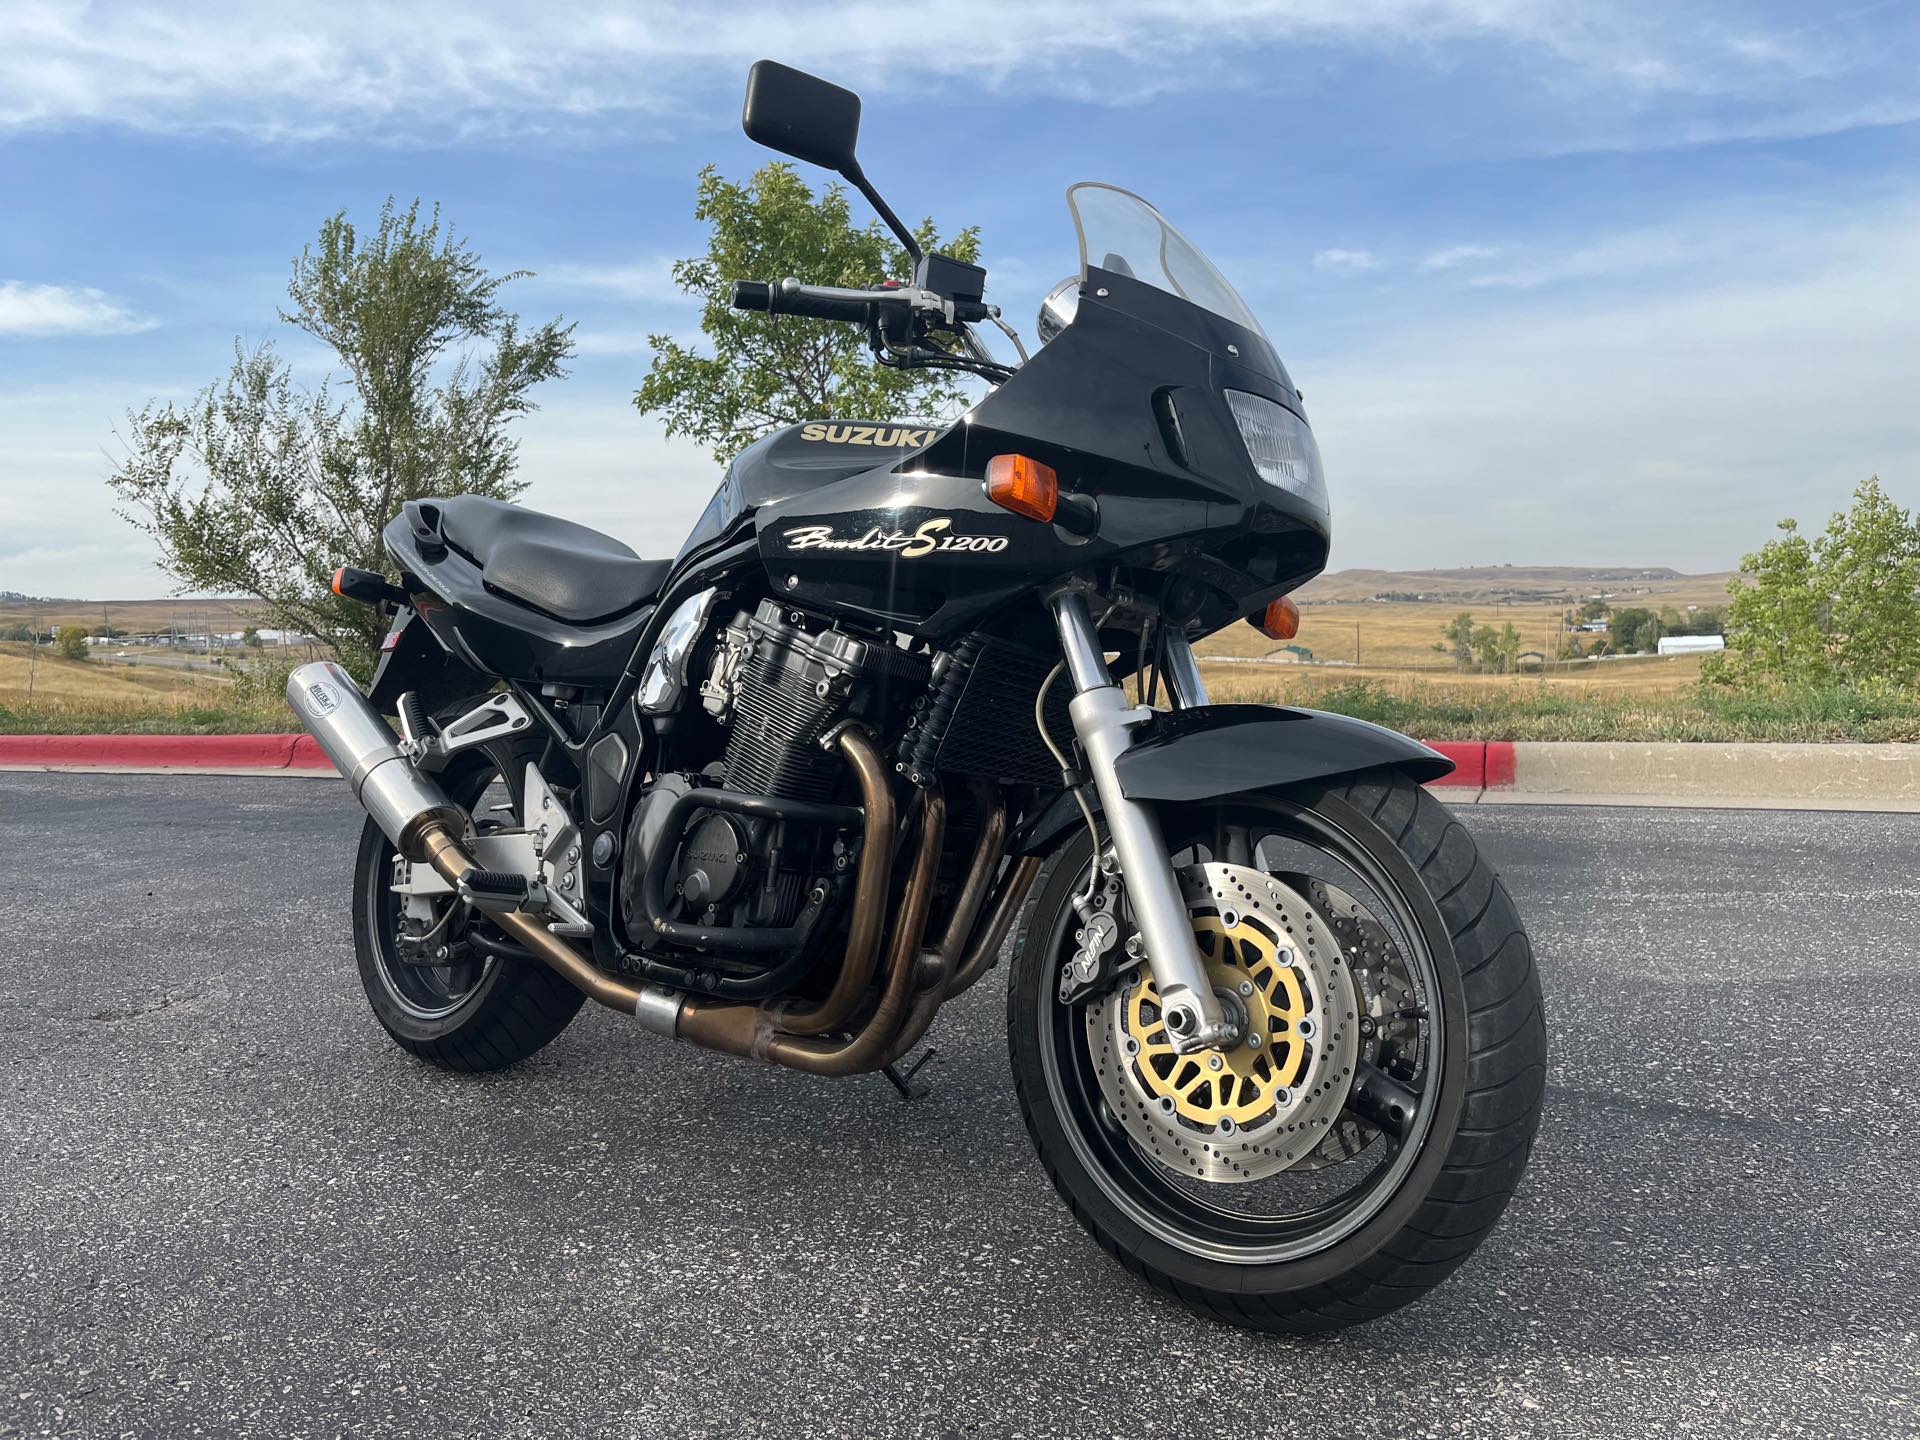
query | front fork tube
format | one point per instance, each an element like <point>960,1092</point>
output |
<point>1103,721</point>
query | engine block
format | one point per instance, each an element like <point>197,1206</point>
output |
<point>784,686</point>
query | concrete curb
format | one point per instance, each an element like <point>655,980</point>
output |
<point>1841,774</point>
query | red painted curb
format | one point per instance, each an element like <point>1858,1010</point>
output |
<point>1479,764</point>
<point>1500,765</point>
<point>307,755</point>
<point>158,752</point>
<point>1469,760</point>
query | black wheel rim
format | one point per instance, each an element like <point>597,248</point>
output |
<point>434,992</point>
<point>1196,1216</point>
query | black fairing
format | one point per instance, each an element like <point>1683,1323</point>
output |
<point>1127,405</point>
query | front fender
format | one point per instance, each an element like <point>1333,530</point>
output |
<point>1216,750</point>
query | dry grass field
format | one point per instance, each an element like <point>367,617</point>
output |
<point>100,680</point>
<point>1400,672</point>
<point>138,616</point>
<point>1638,678</point>
<point>1391,642</point>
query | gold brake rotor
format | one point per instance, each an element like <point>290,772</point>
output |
<point>1254,1077</point>
<point>1244,1111</point>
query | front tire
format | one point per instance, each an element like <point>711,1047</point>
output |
<point>1416,1207</point>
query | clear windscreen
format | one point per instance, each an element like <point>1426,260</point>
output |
<point>1123,234</point>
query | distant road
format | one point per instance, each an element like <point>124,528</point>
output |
<point>228,1205</point>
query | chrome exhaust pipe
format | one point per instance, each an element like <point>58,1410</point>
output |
<point>403,802</point>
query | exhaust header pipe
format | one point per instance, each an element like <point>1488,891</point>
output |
<point>403,802</point>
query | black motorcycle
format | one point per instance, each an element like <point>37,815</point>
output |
<point>911,689</point>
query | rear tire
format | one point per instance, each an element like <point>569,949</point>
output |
<point>513,1007</point>
<point>1491,1043</point>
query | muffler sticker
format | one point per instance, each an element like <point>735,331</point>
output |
<point>325,698</point>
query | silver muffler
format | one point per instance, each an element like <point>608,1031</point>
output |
<point>403,802</point>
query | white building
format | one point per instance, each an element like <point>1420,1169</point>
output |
<point>1691,644</point>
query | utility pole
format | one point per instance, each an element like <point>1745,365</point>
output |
<point>33,660</point>
<point>1356,642</point>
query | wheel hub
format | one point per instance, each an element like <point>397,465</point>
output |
<point>1265,1102</point>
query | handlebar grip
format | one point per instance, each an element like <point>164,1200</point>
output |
<point>779,299</point>
<point>752,295</point>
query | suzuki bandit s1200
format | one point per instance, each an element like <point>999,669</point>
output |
<point>910,690</point>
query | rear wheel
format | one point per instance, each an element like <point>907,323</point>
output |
<point>1368,1130</point>
<point>446,983</point>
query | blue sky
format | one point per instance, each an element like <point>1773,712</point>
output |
<point>1562,283</point>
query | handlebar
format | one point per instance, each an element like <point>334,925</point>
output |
<point>898,321</point>
<point>818,302</point>
<point>833,302</point>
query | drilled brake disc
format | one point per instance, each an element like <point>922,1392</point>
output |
<point>1267,1102</point>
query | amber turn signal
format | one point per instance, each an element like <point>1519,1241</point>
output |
<point>339,579</point>
<point>1279,621</point>
<point>1023,485</point>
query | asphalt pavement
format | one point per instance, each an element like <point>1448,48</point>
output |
<point>229,1206</point>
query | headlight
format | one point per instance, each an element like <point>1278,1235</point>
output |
<point>1280,445</point>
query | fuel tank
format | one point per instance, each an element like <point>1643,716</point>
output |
<point>801,458</point>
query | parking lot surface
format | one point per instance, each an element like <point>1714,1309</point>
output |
<point>229,1206</point>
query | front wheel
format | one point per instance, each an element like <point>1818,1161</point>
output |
<point>1369,1127</point>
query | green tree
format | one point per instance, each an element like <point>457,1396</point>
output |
<point>261,487</point>
<point>1486,647</point>
<point>1459,636</point>
<point>1868,570</point>
<point>1776,632</point>
<point>1701,620</point>
<point>72,641</point>
<point>1636,631</point>
<point>758,373</point>
<point>1507,647</point>
<point>250,637</point>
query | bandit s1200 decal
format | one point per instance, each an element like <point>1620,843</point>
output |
<point>924,539</point>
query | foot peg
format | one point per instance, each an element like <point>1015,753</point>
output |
<point>494,890</point>
<point>902,1080</point>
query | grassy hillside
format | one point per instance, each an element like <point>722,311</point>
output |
<point>137,616</point>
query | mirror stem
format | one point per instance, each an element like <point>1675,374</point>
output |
<point>858,178</point>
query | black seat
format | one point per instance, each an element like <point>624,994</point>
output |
<point>567,570</point>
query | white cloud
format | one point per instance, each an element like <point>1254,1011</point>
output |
<point>64,310</point>
<point>641,280</point>
<point>613,342</point>
<point>370,67</point>
<point>1345,262</point>
<point>1456,256</point>
<point>1665,426</point>
<point>1691,242</point>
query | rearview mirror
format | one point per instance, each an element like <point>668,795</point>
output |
<point>803,116</point>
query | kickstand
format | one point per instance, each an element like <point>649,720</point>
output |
<point>902,1080</point>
